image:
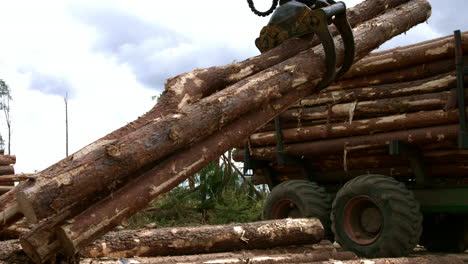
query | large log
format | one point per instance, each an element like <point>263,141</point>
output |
<point>89,224</point>
<point>379,107</point>
<point>420,136</point>
<point>359,127</point>
<point>415,260</point>
<point>400,75</point>
<point>112,162</point>
<point>206,239</point>
<point>7,160</point>
<point>432,84</point>
<point>402,57</point>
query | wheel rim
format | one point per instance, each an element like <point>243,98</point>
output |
<point>285,209</point>
<point>363,220</point>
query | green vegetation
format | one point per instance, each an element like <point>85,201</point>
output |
<point>215,195</point>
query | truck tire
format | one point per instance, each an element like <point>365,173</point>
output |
<point>299,199</point>
<point>445,232</point>
<point>376,216</point>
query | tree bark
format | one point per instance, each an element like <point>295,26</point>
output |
<point>161,137</point>
<point>206,239</point>
<point>400,75</point>
<point>419,136</point>
<point>14,178</point>
<point>245,257</point>
<point>401,57</point>
<point>7,160</point>
<point>6,169</point>
<point>379,107</point>
<point>174,170</point>
<point>359,127</point>
<point>432,84</point>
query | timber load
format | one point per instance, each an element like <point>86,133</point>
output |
<point>6,170</point>
<point>200,116</point>
<point>409,95</point>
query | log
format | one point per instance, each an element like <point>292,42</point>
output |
<point>416,260</point>
<point>400,75</point>
<point>6,169</point>
<point>15,177</point>
<point>206,239</point>
<point>432,84</point>
<point>279,256</point>
<point>7,159</point>
<point>186,88</point>
<point>419,136</point>
<point>402,57</point>
<point>379,107</point>
<point>149,144</point>
<point>359,127</point>
<point>5,189</point>
<point>174,170</point>
<point>12,232</point>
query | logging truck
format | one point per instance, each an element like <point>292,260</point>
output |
<point>380,156</point>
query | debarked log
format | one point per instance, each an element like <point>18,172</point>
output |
<point>359,127</point>
<point>206,239</point>
<point>432,84</point>
<point>419,136</point>
<point>402,57</point>
<point>7,159</point>
<point>400,75</point>
<point>147,145</point>
<point>379,107</point>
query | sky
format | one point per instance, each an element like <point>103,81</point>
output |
<point>110,57</point>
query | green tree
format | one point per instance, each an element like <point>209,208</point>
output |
<point>5,98</point>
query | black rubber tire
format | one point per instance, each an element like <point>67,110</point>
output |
<point>399,218</point>
<point>305,199</point>
<point>445,232</point>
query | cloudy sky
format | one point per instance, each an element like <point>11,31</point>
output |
<point>110,57</point>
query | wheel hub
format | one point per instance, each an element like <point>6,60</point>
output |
<point>363,220</point>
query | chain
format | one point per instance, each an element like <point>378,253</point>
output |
<point>266,13</point>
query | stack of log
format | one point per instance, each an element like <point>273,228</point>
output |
<point>267,242</point>
<point>201,115</point>
<point>406,94</point>
<point>7,180</point>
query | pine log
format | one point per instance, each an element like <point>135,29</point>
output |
<point>206,239</point>
<point>420,136</point>
<point>400,75</point>
<point>379,107</point>
<point>6,169</point>
<point>189,87</point>
<point>401,57</point>
<point>7,160</point>
<point>174,170</point>
<point>161,137</point>
<point>243,257</point>
<point>359,127</point>
<point>432,84</point>
<point>14,178</point>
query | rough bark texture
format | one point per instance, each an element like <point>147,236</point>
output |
<point>379,107</point>
<point>206,239</point>
<point>14,178</point>
<point>161,137</point>
<point>7,160</point>
<point>359,127</point>
<point>419,136</point>
<point>401,57</point>
<point>433,84</point>
<point>175,169</point>
<point>6,169</point>
<point>400,75</point>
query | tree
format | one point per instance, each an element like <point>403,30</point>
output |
<point>5,98</point>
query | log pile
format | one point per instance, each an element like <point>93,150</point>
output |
<point>6,170</point>
<point>79,199</point>
<point>406,94</point>
<point>268,242</point>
